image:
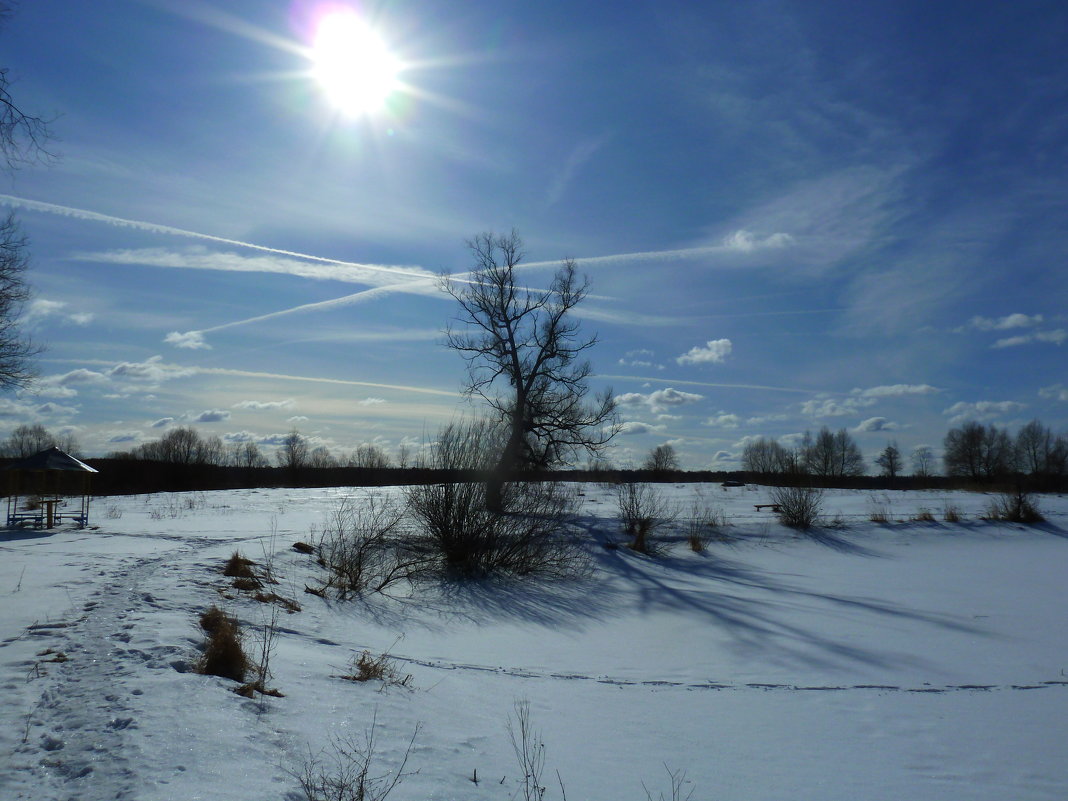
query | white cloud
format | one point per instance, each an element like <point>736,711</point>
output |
<point>190,340</point>
<point>259,406</point>
<point>663,399</point>
<point>1055,392</point>
<point>240,436</point>
<point>715,351</point>
<point>1057,336</point>
<point>634,427</point>
<point>211,416</point>
<point>1005,323</point>
<point>371,401</point>
<point>152,370</point>
<point>895,390</point>
<point>876,424</point>
<point>981,410</point>
<point>39,310</point>
<point>119,437</point>
<point>163,422</point>
<point>746,241</point>
<point>723,420</point>
<point>299,418</point>
<point>829,407</point>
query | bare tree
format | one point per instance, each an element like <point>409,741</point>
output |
<point>978,452</point>
<point>922,461</point>
<point>246,454</point>
<point>16,350</point>
<point>833,455</point>
<point>661,459</point>
<point>293,452</point>
<point>528,340</point>
<point>23,136</point>
<point>890,460</point>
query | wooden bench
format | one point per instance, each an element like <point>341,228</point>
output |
<point>773,506</point>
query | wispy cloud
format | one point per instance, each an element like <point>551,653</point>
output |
<point>873,424</point>
<point>1005,323</point>
<point>40,309</point>
<point>260,406</point>
<point>981,410</point>
<point>578,157</point>
<point>1057,336</point>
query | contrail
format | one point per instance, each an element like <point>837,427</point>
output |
<point>93,216</point>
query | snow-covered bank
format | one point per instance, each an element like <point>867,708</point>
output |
<point>913,659</point>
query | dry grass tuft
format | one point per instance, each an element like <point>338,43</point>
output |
<point>223,652</point>
<point>239,567</point>
<point>288,604</point>
<point>247,583</point>
<point>951,513</point>
<point>923,516</point>
<point>303,547</point>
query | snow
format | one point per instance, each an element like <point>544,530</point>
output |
<point>910,659</point>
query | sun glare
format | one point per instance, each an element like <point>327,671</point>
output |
<point>352,64</point>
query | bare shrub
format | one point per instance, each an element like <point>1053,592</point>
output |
<point>642,511</point>
<point>678,780</point>
<point>880,509</point>
<point>348,772</point>
<point>360,549</point>
<point>529,751</point>
<point>262,667</point>
<point>705,523</point>
<point>223,652</point>
<point>383,668</point>
<point>1017,506</point>
<point>797,506</point>
<point>951,513</point>
<point>460,537</point>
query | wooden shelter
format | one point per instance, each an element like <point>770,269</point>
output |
<point>43,484</point>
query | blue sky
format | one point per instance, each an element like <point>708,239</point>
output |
<point>792,214</point>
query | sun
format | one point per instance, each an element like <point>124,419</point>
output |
<point>352,64</point>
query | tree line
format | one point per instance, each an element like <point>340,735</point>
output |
<point>977,452</point>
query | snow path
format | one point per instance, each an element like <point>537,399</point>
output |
<point>77,741</point>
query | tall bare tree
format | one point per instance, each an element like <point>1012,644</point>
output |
<point>23,136</point>
<point>16,349</point>
<point>525,358</point>
<point>22,140</point>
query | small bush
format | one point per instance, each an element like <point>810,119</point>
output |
<point>642,511</point>
<point>798,507</point>
<point>951,513</point>
<point>1015,507</point>
<point>461,538</point>
<point>705,523</point>
<point>360,547</point>
<point>364,667</point>
<point>923,515</point>
<point>223,652</point>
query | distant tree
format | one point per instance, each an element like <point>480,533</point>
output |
<point>293,452</point>
<point>321,457</point>
<point>767,457</point>
<point>833,455</point>
<point>922,461</point>
<point>525,343</point>
<point>978,452</point>
<point>26,440</point>
<point>246,454</point>
<point>404,456</point>
<point>662,459</point>
<point>889,461</point>
<point>1039,452</point>
<point>369,456</point>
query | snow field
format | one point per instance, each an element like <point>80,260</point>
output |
<point>919,660</point>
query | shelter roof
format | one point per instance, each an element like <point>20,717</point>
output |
<point>51,459</point>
